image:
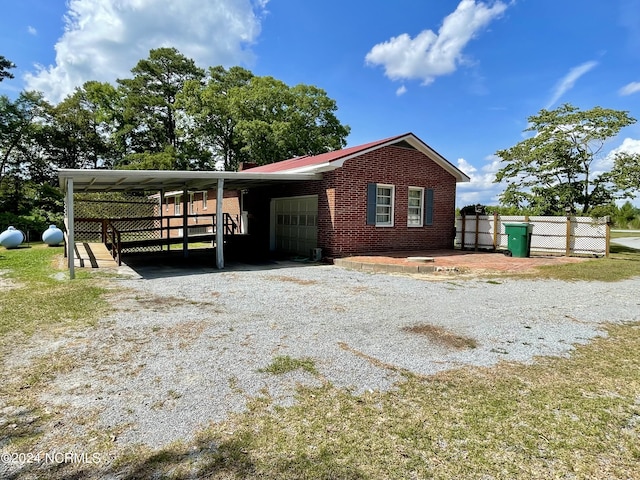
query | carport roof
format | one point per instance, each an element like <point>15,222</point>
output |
<point>146,180</point>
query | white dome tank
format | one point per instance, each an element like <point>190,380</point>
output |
<point>11,237</point>
<point>52,236</point>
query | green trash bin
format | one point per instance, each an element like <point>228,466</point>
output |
<point>518,239</point>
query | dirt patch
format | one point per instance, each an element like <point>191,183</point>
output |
<point>7,283</point>
<point>299,281</point>
<point>130,301</point>
<point>460,263</point>
<point>373,360</point>
<point>442,336</point>
<point>185,332</point>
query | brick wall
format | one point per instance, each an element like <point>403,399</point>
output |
<point>403,168</point>
<point>342,204</point>
<point>201,216</point>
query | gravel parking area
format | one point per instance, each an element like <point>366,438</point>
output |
<point>184,348</point>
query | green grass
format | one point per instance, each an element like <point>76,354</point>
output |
<point>624,234</point>
<point>622,263</point>
<point>37,298</point>
<point>192,246</point>
<point>284,364</point>
<point>38,302</point>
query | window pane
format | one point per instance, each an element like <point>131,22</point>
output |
<point>384,205</point>
<point>414,209</point>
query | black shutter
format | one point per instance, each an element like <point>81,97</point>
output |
<point>428,206</point>
<point>372,193</point>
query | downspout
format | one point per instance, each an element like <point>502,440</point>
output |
<point>185,223</point>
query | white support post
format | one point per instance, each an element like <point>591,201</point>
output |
<point>160,207</point>
<point>185,223</point>
<point>219,225</point>
<point>71,242</point>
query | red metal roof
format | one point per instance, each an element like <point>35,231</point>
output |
<point>323,158</point>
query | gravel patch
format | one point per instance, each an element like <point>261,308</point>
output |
<point>183,350</point>
<point>7,283</point>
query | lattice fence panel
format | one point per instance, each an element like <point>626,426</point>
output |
<point>549,235</point>
<point>589,236</point>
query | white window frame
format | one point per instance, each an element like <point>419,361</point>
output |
<point>390,206</point>
<point>192,209</point>
<point>204,199</point>
<point>420,213</point>
<point>177,200</point>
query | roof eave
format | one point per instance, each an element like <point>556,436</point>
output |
<point>410,138</point>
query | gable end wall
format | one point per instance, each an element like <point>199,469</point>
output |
<point>347,231</point>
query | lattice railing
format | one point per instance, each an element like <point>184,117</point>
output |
<point>127,213</point>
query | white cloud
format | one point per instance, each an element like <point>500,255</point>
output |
<point>104,39</point>
<point>628,145</point>
<point>32,30</point>
<point>632,87</point>
<point>481,188</point>
<point>428,55</point>
<point>567,82</point>
<point>401,91</point>
<point>605,164</point>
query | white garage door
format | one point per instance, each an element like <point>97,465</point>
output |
<point>295,224</point>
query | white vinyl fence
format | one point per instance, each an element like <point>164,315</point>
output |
<point>550,235</point>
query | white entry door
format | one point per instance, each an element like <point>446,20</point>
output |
<point>294,223</point>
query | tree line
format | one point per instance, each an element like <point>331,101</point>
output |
<point>168,115</point>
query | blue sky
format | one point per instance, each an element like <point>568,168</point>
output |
<point>463,75</point>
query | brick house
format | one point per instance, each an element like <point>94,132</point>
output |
<point>201,208</point>
<point>390,195</point>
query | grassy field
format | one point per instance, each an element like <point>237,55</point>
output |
<point>622,234</point>
<point>576,417</point>
<point>622,263</point>
<point>43,300</point>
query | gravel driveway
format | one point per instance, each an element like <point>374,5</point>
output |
<point>184,348</point>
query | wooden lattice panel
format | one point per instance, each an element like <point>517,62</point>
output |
<point>129,214</point>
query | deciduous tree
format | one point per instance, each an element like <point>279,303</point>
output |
<point>553,169</point>
<point>240,116</point>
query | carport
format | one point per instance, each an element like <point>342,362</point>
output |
<point>153,181</point>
